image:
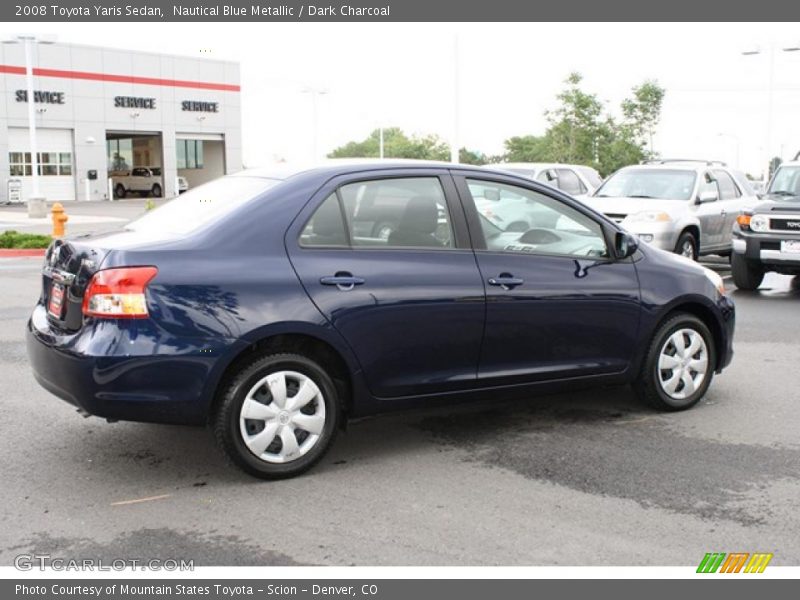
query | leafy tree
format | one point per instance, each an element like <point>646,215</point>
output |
<point>643,111</point>
<point>396,144</point>
<point>528,148</point>
<point>471,157</point>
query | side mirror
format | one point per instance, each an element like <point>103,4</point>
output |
<point>705,197</point>
<point>551,175</point>
<point>625,244</point>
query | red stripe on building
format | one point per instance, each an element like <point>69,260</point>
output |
<point>198,85</point>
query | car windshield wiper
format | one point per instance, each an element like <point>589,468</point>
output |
<point>641,196</point>
<point>782,193</point>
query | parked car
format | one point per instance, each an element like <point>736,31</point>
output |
<point>767,236</point>
<point>183,184</point>
<point>142,180</point>
<point>262,311</point>
<point>575,180</point>
<point>682,206</point>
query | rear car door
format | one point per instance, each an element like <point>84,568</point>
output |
<point>409,303</point>
<point>557,305</point>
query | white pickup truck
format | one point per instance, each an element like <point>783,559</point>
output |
<point>142,180</point>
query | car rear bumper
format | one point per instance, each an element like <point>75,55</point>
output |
<point>121,370</point>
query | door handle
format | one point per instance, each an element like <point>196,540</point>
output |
<point>342,280</point>
<point>506,281</point>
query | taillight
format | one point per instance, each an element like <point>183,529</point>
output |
<point>118,293</point>
<point>744,221</point>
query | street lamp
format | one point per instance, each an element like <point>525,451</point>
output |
<point>37,206</point>
<point>770,93</point>
<point>315,93</point>
<point>735,138</point>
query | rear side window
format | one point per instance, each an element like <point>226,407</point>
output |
<point>406,212</point>
<point>326,227</point>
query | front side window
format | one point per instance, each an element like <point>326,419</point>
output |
<point>708,185</point>
<point>569,182</point>
<point>727,188</point>
<point>657,184</point>
<point>515,219</point>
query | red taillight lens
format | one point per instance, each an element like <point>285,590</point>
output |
<point>118,293</point>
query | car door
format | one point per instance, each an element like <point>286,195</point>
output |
<point>558,306</point>
<point>730,197</point>
<point>410,304</point>
<point>709,212</point>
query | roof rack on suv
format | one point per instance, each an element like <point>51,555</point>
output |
<point>665,161</point>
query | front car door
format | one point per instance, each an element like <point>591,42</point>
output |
<point>709,214</point>
<point>558,306</point>
<point>730,197</point>
<point>410,302</point>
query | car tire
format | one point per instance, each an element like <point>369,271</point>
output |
<point>119,191</point>
<point>687,245</point>
<point>672,377</point>
<point>259,430</point>
<point>156,190</point>
<point>746,275</point>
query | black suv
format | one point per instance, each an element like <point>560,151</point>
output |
<point>767,237</point>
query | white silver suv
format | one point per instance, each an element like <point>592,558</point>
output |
<point>575,180</point>
<point>683,206</point>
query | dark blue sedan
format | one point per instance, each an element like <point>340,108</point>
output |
<point>274,307</point>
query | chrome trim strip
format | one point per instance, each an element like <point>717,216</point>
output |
<point>778,255</point>
<point>739,246</point>
<point>58,275</point>
<point>781,231</point>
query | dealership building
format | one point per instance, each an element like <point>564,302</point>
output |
<point>101,112</point>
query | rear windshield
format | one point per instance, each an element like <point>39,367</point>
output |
<point>661,184</point>
<point>202,205</point>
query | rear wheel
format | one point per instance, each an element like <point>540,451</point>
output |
<point>679,364</point>
<point>119,191</point>
<point>278,416</point>
<point>746,275</point>
<point>687,245</point>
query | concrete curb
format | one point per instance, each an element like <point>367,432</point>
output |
<point>21,252</point>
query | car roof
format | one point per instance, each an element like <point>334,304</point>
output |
<point>683,165</point>
<point>333,167</point>
<point>534,165</point>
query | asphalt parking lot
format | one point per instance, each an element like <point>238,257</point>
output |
<point>587,478</point>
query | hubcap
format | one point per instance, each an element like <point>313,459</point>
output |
<point>688,249</point>
<point>282,417</point>
<point>682,364</point>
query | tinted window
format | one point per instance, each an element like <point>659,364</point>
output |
<point>515,219</point>
<point>727,189</point>
<point>569,182</point>
<point>399,212</point>
<point>661,184</point>
<point>326,226</point>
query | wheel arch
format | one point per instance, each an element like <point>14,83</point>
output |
<point>694,229</point>
<point>701,310</point>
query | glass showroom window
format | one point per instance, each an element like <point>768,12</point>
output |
<point>50,163</point>
<point>189,154</point>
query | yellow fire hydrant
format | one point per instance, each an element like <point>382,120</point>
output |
<point>59,220</point>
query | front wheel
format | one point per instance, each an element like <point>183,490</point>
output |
<point>687,246</point>
<point>679,364</point>
<point>278,416</point>
<point>156,190</point>
<point>119,191</point>
<point>746,276</point>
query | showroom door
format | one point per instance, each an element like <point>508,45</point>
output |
<point>400,285</point>
<point>556,305</point>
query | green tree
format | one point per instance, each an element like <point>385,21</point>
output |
<point>528,148</point>
<point>642,112</point>
<point>396,144</point>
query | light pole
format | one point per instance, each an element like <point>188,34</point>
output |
<point>315,92</point>
<point>735,138</point>
<point>770,95</point>
<point>37,206</point>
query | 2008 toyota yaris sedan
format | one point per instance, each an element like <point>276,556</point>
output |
<point>273,308</point>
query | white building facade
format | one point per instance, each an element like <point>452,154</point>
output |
<point>102,112</point>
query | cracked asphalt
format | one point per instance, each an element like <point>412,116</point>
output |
<point>585,478</point>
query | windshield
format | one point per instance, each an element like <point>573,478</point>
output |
<point>786,182</point>
<point>202,205</point>
<point>659,184</point>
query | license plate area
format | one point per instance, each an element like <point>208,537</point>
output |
<point>56,305</point>
<point>790,247</point>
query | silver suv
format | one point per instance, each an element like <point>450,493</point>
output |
<point>683,206</point>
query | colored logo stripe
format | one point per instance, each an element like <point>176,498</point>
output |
<point>735,561</point>
<point>58,73</point>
